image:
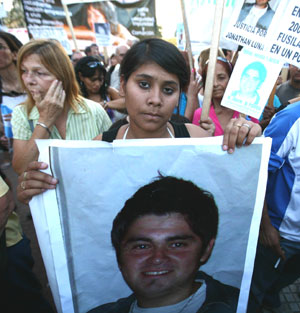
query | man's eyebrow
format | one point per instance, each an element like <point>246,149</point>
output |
<point>181,237</point>
<point>135,239</point>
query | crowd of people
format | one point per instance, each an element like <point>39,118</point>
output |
<point>144,91</point>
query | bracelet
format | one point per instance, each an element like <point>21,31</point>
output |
<point>44,126</point>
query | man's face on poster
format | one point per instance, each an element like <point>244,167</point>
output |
<point>262,3</point>
<point>250,82</point>
<point>160,256</point>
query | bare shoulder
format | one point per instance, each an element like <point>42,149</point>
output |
<point>196,131</point>
<point>99,137</point>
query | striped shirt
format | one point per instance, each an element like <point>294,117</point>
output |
<point>84,125</point>
<point>283,189</point>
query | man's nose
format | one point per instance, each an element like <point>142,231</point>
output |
<point>159,255</point>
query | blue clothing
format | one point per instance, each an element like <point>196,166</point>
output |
<point>220,298</point>
<point>182,104</point>
<point>283,188</point>
<point>264,22</point>
<point>283,201</point>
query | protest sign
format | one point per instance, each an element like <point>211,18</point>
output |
<point>102,31</point>
<point>44,20</point>
<point>127,20</point>
<point>200,21</point>
<point>249,26</point>
<point>251,82</point>
<point>284,39</point>
<point>49,32</point>
<point>73,222</point>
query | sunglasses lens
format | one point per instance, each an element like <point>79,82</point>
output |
<point>93,64</point>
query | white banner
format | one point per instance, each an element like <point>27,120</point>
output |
<point>73,222</point>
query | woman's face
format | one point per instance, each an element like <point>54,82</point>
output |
<point>151,94</point>
<point>93,83</point>
<point>37,79</point>
<point>220,82</point>
<point>6,56</point>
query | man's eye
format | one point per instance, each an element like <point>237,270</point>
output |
<point>141,247</point>
<point>177,244</point>
<point>144,85</point>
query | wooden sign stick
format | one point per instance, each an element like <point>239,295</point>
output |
<point>70,25</point>
<point>187,34</point>
<point>212,58</point>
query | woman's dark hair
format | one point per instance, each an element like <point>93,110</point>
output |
<point>13,42</point>
<point>167,195</point>
<point>160,52</point>
<point>88,66</point>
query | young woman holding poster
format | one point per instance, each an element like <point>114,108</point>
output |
<point>153,73</point>
<point>220,115</point>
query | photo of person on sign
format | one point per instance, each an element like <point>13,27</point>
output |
<point>257,14</point>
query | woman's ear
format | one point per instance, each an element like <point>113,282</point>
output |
<point>15,57</point>
<point>122,86</point>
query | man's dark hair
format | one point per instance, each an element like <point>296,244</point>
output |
<point>168,195</point>
<point>87,50</point>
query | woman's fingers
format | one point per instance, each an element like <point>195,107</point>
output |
<point>238,132</point>
<point>33,182</point>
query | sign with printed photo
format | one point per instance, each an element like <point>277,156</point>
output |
<point>251,82</point>
<point>250,22</point>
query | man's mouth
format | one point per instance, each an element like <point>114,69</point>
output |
<point>156,273</point>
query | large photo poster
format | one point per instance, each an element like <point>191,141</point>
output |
<point>128,20</point>
<point>73,222</point>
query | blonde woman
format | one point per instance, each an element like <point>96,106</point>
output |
<point>54,107</point>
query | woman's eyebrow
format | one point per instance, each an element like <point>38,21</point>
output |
<point>147,76</point>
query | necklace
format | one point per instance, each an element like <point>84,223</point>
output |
<point>126,131</point>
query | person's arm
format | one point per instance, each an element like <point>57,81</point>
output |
<point>267,116</point>
<point>25,151</point>
<point>33,182</point>
<point>118,104</point>
<point>269,235</point>
<point>192,103</point>
<point>113,93</point>
<point>6,204</point>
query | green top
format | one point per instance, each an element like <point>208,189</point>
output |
<point>89,122</point>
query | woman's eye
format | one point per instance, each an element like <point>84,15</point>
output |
<point>168,91</point>
<point>144,85</point>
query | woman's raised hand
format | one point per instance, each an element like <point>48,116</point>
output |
<point>52,105</point>
<point>208,125</point>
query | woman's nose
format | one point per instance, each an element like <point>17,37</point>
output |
<point>154,97</point>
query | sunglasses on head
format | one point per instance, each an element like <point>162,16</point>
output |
<point>94,64</point>
<point>224,61</point>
